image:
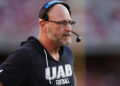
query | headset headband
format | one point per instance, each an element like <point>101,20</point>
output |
<point>47,6</point>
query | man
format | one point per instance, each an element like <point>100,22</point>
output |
<point>48,60</point>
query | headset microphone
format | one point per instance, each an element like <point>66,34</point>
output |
<point>78,37</point>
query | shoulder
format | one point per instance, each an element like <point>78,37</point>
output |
<point>68,49</point>
<point>68,54</point>
<point>17,64</point>
<point>24,51</point>
<point>20,52</point>
<point>18,57</point>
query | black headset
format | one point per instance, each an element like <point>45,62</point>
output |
<point>47,6</point>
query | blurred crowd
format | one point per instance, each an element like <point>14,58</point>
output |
<point>103,24</point>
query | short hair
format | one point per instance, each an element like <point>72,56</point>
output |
<point>47,6</point>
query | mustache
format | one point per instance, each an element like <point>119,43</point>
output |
<point>67,34</point>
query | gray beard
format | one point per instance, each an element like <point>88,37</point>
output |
<point>59,41</point>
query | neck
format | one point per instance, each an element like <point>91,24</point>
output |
<point>50,46</point>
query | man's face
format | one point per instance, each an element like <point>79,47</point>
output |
<point>59,33</point>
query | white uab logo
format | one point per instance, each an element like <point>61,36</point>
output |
<point>60,72</point>
<point>1,70</point>
<point>57,74</point>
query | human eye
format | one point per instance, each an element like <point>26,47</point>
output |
<point>63,23</point>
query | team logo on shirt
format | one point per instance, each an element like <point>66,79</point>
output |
<point>60,73</point>
<point>1,70</point>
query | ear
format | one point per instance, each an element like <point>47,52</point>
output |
<point>45,29</point>
<point>43,26</point>
<point>41,23</point>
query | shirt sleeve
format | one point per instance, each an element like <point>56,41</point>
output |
<point>14,69</point>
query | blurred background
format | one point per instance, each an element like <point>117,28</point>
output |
<point>97,56</point>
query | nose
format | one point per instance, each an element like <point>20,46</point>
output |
<point>68,28</point>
